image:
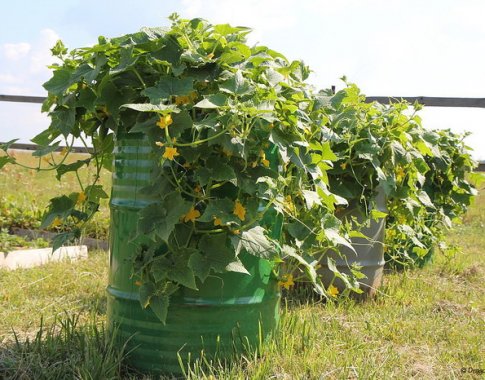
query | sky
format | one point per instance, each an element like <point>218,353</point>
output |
<point>386,47</point>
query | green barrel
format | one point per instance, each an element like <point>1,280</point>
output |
<point>228,314</point>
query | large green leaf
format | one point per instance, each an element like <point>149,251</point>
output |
<point>162,217</point>
<point>147,107</point>
<point>179,271</point>
<point>167,87</point>
<point>221,209</point>
<point>255,242</point>
<point>66,168</point>
<point>215,254</point>
<point>60,81</point>
<point>60,207</point>
<point>237,85</point>
<point>212,101</point>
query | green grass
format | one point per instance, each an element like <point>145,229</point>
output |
<point>424,324</point>
<point>24,208</point>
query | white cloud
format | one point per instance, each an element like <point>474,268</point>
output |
<point>41,55</point>
<point>15,52</point>
<point>24,65</point>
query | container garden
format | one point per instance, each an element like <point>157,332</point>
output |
<point>378,162</point>
<point>210,140</point>
<point>228,313</point>
<point>367,254</point>
<point>416,234</point>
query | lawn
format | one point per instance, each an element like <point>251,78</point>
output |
<point>424,324</point>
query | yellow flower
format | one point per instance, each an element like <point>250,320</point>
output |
<point>191,215</point>
<point>343,165</point>
<point>288,203</point>
<point>56,222</point>
<point>333,291</point>
<point>239,210</point>
<point>170,153</point>
<point>217,221</point>
<point>138,283</point>
<point>165,121</point>
<point>210,55</point>
<point>181,100</point>
<point>286,281</point>
<point>264,161</point>
<point>63,151</point>
<point>81,197</point>
<point>236,232</point>
<point>197,189</point>
<point>159,143</point>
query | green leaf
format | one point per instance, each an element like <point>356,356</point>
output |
<point>45,150</point>
<point>59,207</point>
<point>146,292</point>
<point>336,238</point>
<point>212,101</point>
<point>181,122</point>
<point>63,120</point>
<point>307,265</point>
<point>235,52</point>
<point>327,153</point>
<point>216,255</point>
<point>95,193</point>
<point>425,199</point>
<point>200,265</point>
<point>7,145</point>
<point>255,242</point>
<point>236,85</point>
<point>4,160</point>
<point>180,272</point>
<point>237,266</point>
<point>159,305</point>
<point>45,137</point>
<point>220,171</point>
<point>274,77</point>
<point>60,81</point>
<point>167,87</point>
<point>162,217</point>
<point>65,168</point>
<point>64,238</point>
<point>219,208</point>
<point>147,107</point>
<point>311,198</point>
<point>376,214</point>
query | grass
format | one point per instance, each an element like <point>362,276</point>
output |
<point>424,324</point>
<point>24,208</point>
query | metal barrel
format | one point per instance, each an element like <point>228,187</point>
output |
<point>230,312</point>
<point>369,253</point>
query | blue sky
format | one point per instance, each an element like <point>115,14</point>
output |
<point>398,47</point>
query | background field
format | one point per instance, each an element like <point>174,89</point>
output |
<point>424,324</point>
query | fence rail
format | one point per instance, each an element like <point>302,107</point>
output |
<point>22,99</point>
<point>431,101</point>
<point>425,100</point>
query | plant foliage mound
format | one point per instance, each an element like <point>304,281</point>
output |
<point>238,144</point>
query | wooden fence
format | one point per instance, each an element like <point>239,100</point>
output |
<point>425,100</point>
